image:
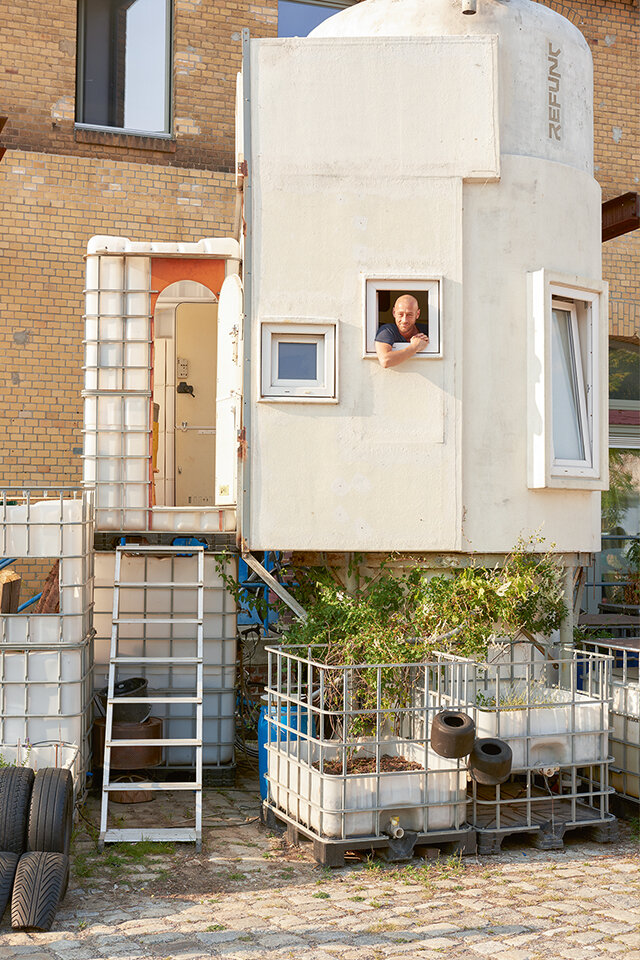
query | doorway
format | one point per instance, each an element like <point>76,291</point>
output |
<point>184,392</point>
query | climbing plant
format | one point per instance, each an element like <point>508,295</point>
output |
<point>401,615</point>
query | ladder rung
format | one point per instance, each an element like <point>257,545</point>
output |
<point>146,583</point>
<point>151,785</point>
<point>130,835</point>
<point>175,620</point>
<point>193,660</point>
<point>160,549</point>
<point>154,699</point>
<point>154,743</point>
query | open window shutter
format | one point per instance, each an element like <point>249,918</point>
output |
<point>229,385</point>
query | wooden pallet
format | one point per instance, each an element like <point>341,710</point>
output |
<point>545,819</point>
<point>331,853</point>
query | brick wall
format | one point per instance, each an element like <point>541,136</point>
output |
<point>37,84</point>
<point>60,186</point>
<point>612,29</point>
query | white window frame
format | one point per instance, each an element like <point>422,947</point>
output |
<point>402,284</point>
<point>581,356</point>
<point>323,334</point>
<point>586,302</point>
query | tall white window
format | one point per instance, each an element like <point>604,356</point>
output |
<point>124,65</point>
<point>567,382</point>
<point>572,441</point>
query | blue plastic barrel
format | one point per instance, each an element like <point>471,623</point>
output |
<point>289,717</point>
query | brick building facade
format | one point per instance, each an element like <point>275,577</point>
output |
<point>61,184</point>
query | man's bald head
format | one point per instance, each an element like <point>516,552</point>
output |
<point>405,313</point>
<point>406,301</point>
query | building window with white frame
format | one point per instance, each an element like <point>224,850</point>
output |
<point>381,295</point>
<point>298,361</point>
<point>124,66</point>
<point>567,382</point>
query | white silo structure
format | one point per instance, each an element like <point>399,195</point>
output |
<point>406,148</point>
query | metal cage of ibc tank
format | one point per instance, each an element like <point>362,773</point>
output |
<point>118,394</point>
<point>141,603</point>
<point>624,651</point>
<point>554,714</point>
<point>50,524</point>
<point>45,702</point>
<point>321,718</point>
<point>46,659</point>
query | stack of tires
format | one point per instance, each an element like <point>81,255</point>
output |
<point>36,816</point>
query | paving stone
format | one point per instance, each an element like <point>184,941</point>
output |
<point>489,948</point>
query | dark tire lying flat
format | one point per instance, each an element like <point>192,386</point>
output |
<point>452,734</point>
<point>39,886</point>
<point>16,784</point>
<point>51,814</point>
<point>490,761</point>
<point>8,864</point>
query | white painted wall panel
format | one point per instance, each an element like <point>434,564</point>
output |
<point>406,81</point>
<point>512,224</point>
<point>356,475</point>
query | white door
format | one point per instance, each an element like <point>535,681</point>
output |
<point>229,389</point>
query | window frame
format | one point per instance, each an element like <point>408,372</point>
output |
<point>79,124</point>
<point>586,301</point>
<point>402,284</point>
<point>321,332</point>
<point>584,408</point>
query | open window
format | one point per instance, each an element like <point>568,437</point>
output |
<point>298,360</point>
<point>380,296</point>
<point>567,382</point>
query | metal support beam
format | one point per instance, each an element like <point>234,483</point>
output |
<point>275,585</point>
<point>620,215</point>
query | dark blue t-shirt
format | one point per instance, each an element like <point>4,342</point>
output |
<point>389,333</point>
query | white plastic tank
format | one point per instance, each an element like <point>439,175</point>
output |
<point>404,146</point>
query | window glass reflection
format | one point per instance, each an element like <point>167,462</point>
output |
<point>299,19</point>
<point>125,68</point>
<point>297,361</point>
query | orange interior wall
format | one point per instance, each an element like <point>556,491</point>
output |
<point>166,270</point>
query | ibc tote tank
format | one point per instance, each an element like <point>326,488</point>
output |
<point>409,141</point>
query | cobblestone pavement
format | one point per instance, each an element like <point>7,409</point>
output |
<point>250,895</point>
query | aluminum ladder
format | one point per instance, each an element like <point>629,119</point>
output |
<point>172,834</point>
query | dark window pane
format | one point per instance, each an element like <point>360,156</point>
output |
<point>125,81</point>
<point>299,19</point>
<point>297,361</point>
<point>624,370</point>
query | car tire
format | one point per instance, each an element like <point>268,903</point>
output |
<point>40,884</point>
<point>490,761</point>
<point>51,813</point>
<point>8,865</point>
<point>16,784</point>
<point>452,734</point>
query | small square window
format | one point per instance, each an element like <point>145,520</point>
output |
<point>380,297</point>
<point>298,360</point>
